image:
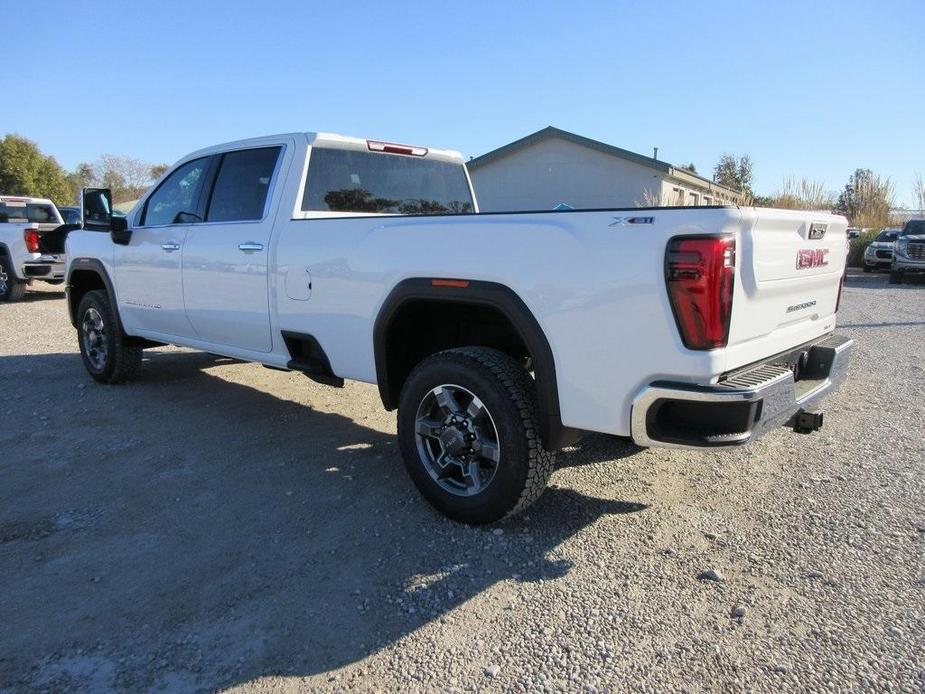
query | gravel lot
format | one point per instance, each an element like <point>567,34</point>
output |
<point>218,524</point>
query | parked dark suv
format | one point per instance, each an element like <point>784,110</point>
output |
<point>909,251</point>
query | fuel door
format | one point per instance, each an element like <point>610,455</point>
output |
<point>298,283</point>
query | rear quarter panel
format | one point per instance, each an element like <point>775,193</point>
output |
<point>595,285</point>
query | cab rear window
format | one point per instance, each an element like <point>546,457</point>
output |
<point>341,180</point>
<point>27,212</point>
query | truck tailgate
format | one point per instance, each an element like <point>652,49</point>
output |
<point>790,266</point>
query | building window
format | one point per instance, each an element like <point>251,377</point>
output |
<point>678,196</point>
<point>707,200</point>
<point>694,199</point>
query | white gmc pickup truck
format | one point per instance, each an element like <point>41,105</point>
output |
<point>498,337</point>
<point>24,223</point>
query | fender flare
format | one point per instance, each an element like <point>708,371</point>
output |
<point>512,307</point>
<point>96,266</point>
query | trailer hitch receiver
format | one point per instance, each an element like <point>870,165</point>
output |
<point>807,422</point>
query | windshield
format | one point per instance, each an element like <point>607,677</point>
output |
<point>27,212</point>
<point>914,227</point>
<point>887,235</point>
<point>341,180</point>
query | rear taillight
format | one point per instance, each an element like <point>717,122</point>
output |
<point>31,237</point>
<point>699,272</point>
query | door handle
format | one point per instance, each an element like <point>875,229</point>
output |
<point>250,246</point>
<point>170,247</point>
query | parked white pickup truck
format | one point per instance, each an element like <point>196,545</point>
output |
<point>498,337</point>
<point>23,223</point>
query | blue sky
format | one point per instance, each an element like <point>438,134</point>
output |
<point>806,88</point>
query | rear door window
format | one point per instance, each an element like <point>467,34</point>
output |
<point>341,180</point>
<point>27,212</point>
<point>242,185</point>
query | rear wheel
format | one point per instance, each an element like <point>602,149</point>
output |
<point>896,276</point>
<point>106,356</point>
<point>11,289</point>
<point>469,435</point>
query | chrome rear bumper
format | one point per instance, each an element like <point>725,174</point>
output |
<point>741,408</point>
<point>45,267</point>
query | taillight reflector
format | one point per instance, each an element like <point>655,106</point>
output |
<point>700,272</point>
<point>31,237</point>
<point>392,148</point>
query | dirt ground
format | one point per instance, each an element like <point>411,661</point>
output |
<point>217,524</point>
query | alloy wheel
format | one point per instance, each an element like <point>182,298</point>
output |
<point>93,334</point>
<point>457,440</point>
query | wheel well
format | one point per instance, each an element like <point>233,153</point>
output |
<point>79,283</point>
<point>421,317</point>
<point>421,327</point>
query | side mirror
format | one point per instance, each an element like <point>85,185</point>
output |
<point>96,209</point>
<point>119,231</point>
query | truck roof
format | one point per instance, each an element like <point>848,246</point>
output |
<point>332,140</point>
<point>25,199</point>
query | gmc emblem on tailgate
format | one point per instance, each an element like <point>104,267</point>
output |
<point>811,257</point>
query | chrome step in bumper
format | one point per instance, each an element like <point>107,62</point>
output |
<point>742,407</point>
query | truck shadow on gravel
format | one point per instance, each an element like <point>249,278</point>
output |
<point>46,295</point>
<point>189,532</point>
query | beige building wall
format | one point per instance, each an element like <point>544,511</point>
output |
<point>553,171</point>
<point>675,191</point>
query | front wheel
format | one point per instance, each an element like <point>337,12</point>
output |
<point>468,429</point>
<point>11,289</point>
<point>106,355</point>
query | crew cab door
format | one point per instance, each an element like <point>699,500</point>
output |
<point>149,284</point>
<point>225,259</point>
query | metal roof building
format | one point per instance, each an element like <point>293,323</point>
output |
<point>554,166</point>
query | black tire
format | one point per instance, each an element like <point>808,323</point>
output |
<point>11,289</point>
<point>508,395</point>
<point>867,268</point>
<point>106,356</point>
<point>896,276</point>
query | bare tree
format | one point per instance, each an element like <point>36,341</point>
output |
<point>804,194</point>
<point>918,187</point>
<point>126,176</point>
<point>654,199</point>
<point>158,170</point>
